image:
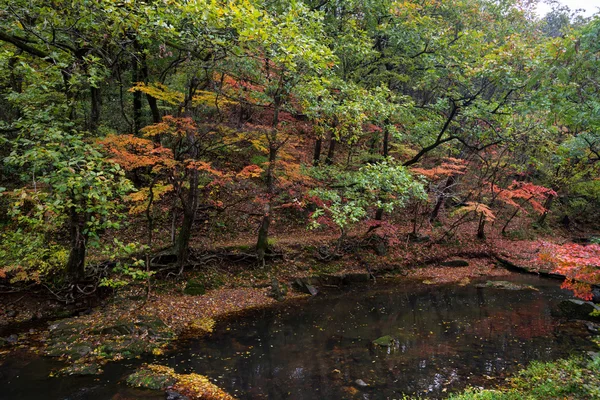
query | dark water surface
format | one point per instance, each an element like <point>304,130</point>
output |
<point>447,337</point>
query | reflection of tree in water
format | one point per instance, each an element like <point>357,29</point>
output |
<point>445,334</point>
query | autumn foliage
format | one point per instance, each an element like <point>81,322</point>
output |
<point>580,264</point>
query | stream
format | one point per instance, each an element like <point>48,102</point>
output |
<point>446,337</point>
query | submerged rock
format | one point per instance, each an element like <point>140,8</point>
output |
<point>173,395</point>
<point>361,383</point>
<point>385,341</point>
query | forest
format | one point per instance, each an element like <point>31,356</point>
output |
<point>179,163</point>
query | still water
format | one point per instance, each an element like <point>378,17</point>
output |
<point>445,338</point>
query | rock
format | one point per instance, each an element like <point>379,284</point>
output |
<point>82,350</point>
<point>81,369</point>
<point>278,291</point>
<point>194,288</point>
<point>361,383</point>
<point>303,286</point>
<point>380,248</point>
<point>173,395</point>
<point>505,285</point>
<point>578,309</point>
<point>11,313</point>
<point>592,326</point>
<point>151,379</point>
<point>596,294</point>
<point>455,263</point>
<point>385,341</point>
<point>356,278</point>
<point>333,280</point>
<point>12,339</point>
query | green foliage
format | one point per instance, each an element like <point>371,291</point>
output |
<point>129,269</point>
<point>345,196</point>
<point>573,378</point>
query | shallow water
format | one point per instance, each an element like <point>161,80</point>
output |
<point>447,337</point>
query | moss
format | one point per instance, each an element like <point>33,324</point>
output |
<point>194,288</point>
<point>194,386</point>
<point>153,377</point>
<point>573,378</point>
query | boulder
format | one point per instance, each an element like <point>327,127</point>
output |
<point>303,286</point>
<point>278,291</point>
<point>578,309</point>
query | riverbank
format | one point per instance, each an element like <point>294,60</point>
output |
<point>130,323</point>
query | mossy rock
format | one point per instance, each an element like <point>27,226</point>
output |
<point>151,379</point>
<point>194,288</point>
<point>385,341</point>
<point>81,369</point>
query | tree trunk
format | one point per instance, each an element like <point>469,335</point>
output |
<point>481,228</point>
<point>441,199</point>
<point>317,153</point>
<point>262,244</point>
<point>96,104</point>
<point>76,261</point>
<point>137,97</point>
<point>189,202</point>
<point>331,150</point>
<point>547,205</point>
<point>386,142</point>
<point>152,103</point>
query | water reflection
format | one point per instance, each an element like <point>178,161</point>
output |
<point>443,338</point>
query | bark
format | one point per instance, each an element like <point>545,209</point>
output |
<point>96,104</point>
<point>547,205</point>
<point>189,199</point>
<point>262,243</point>
<point>137,97</point>
<point>317,153</point>
<point>441,199</point>
<point>78,241</point>
<point>331,150</point>
<point>152,103</point>
<point>481,228</point>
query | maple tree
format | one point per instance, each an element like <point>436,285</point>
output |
<point>580,264</point>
